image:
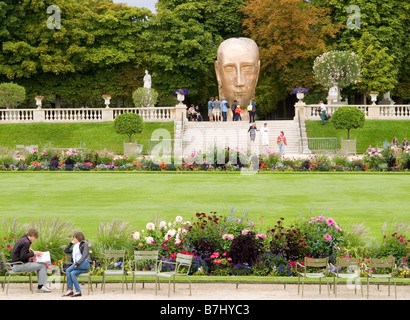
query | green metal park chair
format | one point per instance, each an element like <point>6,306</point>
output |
<point>10,271</point>
<point>114,266</point>
<point>349,269</point>
<point>144,260</point>
<point>388,271</point>
<point>182,266</point>
<point>312,264</point>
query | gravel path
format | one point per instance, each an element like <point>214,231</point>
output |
<point>211,291</point>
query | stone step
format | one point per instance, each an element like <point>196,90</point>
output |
<point>199,136</point>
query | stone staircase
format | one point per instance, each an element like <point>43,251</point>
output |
<point>202,136</point>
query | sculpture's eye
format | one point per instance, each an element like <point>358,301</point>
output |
<point>248,68</point>
<point>229,68</point>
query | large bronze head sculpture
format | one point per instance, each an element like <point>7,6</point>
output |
<point>237,70</point>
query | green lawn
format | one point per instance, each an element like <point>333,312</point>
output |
<point>374,132</point>
<point>88,198</point>
<point>93,136</point>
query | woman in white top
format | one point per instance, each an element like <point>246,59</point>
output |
<point>265,136</point>
<point>81,263</point>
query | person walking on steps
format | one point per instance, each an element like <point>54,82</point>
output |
<point>281,141</point>
<point>252,110</point>
<point>265,136</point>
<point>252,133</point>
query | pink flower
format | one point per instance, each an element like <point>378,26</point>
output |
<point>228,236</point>
<point>214,255</point>
<point>338,228</point>
<point>261,236</point>
<point>245,232</point>
<point>330,222</point>
<point>322,219</point>
<point>328,237</point>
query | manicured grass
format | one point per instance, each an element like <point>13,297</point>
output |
<point>374,132</point>
<point>89,198</point>
<point>93,136</point>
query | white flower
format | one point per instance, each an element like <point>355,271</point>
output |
<point>162,225</point>
<point>149,240</point>
<point>178,219</point>
<point>136,235</point>
<point>150,226</point>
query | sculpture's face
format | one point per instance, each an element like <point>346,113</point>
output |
<point>237,69</point>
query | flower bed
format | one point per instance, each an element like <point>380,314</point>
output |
<point>230,245</point>
<point>375,159</point>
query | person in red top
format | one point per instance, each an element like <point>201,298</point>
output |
<point>238,112</point>
<point>281,141</point>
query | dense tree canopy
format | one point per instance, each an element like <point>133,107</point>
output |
<point>290,34</point>
<point>100,47</point>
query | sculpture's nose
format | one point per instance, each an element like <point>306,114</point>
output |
<point>239,78</point>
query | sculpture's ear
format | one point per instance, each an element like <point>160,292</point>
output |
<point>257,73</point>
<point>218,75</point>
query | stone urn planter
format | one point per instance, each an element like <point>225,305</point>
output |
<point>373,97</point>
<point>348,146</point>
<point>39,101</point>
<point>180,94</point>
<point>132,148</point>
<point>107,100</point>
<point>300,93</point>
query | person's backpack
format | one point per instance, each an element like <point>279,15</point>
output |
<point>249,107</point>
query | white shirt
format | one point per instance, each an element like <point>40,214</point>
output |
<point>322,107</point>
<point>76,252</point>
<point>265,131</point>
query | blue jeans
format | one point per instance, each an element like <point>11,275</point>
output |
<point>323,117</point>
<point>72,273</point>
<point>281,148</point>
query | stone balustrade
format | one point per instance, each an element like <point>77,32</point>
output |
<point>372,112</point>
<point>156,114</point>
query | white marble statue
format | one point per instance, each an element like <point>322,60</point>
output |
<point>147,80</point>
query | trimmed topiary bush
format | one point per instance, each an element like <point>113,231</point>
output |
<point>128,124</point>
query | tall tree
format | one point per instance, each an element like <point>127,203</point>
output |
<point>183,40</point>
<point>378,71</point>
<point>96,46</point>
<point>385,21</point>
<point>290,34</point>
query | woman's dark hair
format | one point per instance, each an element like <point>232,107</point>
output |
<point>79,236</point>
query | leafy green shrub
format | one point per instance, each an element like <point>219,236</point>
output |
<point>270,264</point>
<point>11,95</point>
<point>395,241</point>
<point>339,68</point>
<point>145,97</point>
<point>246,248</point>
<point>348,118</point>
<point>205,229</point>
<point>323,236</point>
<point>115,235</point>
<point>288,242</point>
<point>54,235</point>
<point>128,124</point>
